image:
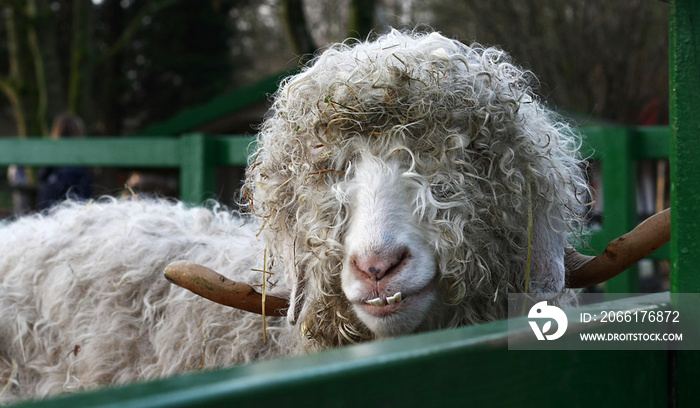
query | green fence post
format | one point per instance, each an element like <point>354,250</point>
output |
<point>685,144</point>
<point>684,48</point>
<point>619,199</point>
<point>197,169</point>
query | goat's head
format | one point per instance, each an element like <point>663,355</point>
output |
<point>407,165</point>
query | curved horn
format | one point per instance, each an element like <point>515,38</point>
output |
<point>620,254</point>
<point>217,288</point>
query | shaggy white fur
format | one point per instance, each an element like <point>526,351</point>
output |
<point>84,302</point>
<point>392,188</point>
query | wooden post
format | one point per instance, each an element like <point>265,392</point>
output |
<point>197,169</point>
<point>685,144</point>
<point>620,200</point>
<point>684,53</point>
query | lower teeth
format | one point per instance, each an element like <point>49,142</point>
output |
<point>375,302</point>
<point>390,300</point>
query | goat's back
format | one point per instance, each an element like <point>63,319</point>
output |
<point>85,303</point>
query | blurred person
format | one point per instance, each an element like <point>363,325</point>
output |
<point>22,181</point>
<point>58,183</point>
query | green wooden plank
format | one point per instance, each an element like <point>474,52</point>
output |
<point>189,119</point>
<point>139,152</point>
<point>197,156</point>
<point>648,142</point>
<point>489,378</point>
<point>234,151</point>
<point>619,199</point>
<point>468,366</point>
<point>593,141</point>
<point>618,148</point>
<point>651,142</point>
<point>198,169</point>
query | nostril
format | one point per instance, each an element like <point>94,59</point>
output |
<point>377,264</point>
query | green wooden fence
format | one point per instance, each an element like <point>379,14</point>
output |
<point>197,156</point>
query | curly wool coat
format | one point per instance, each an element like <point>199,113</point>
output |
<point>464,124</point>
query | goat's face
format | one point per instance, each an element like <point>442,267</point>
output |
<point>389,271</point>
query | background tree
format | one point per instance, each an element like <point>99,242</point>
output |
<point>179,57</point>
<point>23,81</point>
<point>138,60</point>
<point>118,64</point>
<point>122,64</point>
<point>593,57</point>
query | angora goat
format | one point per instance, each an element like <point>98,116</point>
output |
<point>394,188</point>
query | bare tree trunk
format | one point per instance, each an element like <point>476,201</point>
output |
<point>361,21</point>
<point>25,87</point>
<point>41,92</point>
<point>77,55</point>
<point>297,29</point>
<point>11,83</point>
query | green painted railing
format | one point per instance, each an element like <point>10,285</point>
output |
<point>197,156</point>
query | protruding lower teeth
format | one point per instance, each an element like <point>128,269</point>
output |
<point>389,301</point>
<point>394,299</point>
<point>375,302</point>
